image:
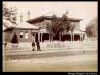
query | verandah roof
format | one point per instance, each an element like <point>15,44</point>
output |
<point>43,31</point>
<point>75,32</point>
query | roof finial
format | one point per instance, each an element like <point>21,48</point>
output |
<point>21,17</point>
<point>67,12</point>
<point>28,14</point>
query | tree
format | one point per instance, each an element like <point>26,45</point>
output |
<point>72,27</point>
<point>14,39</point>
<point>9,14</point>
<point>51,27</point>
<point>58,25</point>
<point>91,29</point>
<point>65,22</point>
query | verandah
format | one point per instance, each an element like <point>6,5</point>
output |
<point>41,36</point>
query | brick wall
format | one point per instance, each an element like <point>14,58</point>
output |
<point>9,35</point>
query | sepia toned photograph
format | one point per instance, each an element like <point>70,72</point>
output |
<point>60,36</point>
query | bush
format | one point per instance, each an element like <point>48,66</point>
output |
<point>14,39</point>
<point>91,29</point>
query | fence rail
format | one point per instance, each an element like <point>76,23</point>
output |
<point>54,45</point>
<point>70,45</point>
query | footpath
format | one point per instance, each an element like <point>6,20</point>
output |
<point>28,52</point>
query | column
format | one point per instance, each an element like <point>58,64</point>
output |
<point>49,37</point>
<point>71,37</point>
<point>59,37</point>
<point>38,36</point>
<point>80,37</point>
<point>52,37</point>
<point>41,37</point>
<point>86,38</point>
<point>35,36</point>
<point>62,37</point>
<point>31,36</point>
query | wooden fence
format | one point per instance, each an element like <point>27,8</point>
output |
<point>54,45</point>
<point>69,45</point>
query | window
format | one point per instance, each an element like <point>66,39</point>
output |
<point>72,23</point>
<point>26,35</point>
<point>21,34</point>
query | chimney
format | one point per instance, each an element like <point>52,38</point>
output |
<point>28,15</point>
<point>21,18</point>
<point>67,13</point>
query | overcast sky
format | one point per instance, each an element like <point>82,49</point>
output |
<point>83,10</point>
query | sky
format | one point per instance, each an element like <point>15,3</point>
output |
<point>82,10</point>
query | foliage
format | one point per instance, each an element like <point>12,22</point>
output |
<point>72,27</point>
<point>58,26</point>
<point>91,29</point>
<point>66,23</point>
<point>9,14</point>
<point>14,39</point>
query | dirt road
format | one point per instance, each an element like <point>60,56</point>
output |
<point>74,62</point>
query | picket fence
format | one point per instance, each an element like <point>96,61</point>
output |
<point>54,45</point>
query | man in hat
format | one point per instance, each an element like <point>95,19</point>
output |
<point>38,45</point>
<point>33,46</point>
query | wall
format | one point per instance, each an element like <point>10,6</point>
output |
<point>43,24</point>
<point>77,25</point>
<point>29,39</point>
<point>8,36</point>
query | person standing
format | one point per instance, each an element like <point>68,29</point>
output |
<point>33,46</point>
<point>38,45</point>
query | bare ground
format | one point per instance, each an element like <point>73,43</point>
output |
<point>75,63</point>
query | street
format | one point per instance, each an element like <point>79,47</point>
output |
<point>65,61</point>
<point>46,54</point>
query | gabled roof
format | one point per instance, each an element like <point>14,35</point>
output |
<point>26,25</point>
<point>42,18</point>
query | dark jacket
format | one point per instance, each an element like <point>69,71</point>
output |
<point>38,44</point>
<point>33,44</point>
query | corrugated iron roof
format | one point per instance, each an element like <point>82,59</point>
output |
<point>26,26</point>
<point>42,18</point>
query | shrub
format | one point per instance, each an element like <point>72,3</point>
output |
<point>14,39</point>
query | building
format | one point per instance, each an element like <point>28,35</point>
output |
<point>24,32</point>
<point>35,29</point>
<point>43,35</point>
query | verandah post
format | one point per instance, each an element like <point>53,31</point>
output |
<point>41,37</point>
<point>38,36</point>
<point>59,37</point>
<point>71,37</point>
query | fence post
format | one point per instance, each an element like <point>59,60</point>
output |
<point>78,44</point>
<point>5,56</point>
